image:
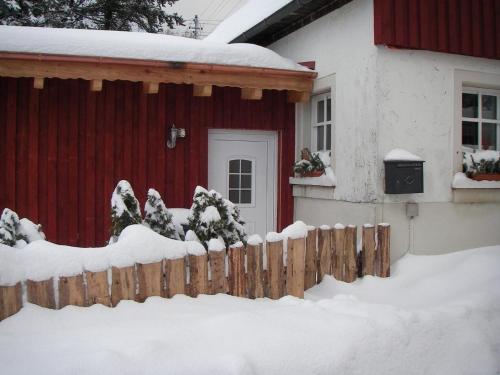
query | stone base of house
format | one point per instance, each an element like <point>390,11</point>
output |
<point>439,227</point>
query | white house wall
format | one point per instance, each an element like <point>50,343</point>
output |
<point>386,99</point>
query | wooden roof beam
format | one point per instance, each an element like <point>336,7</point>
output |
<point>298,96</point>
<point>38,82</point>
<point>202,90</point>
<point>150,87</point>
<point>96,85</point>
<point>251,93</point>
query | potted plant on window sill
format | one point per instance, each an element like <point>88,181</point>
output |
<point>309,165</point>
<point>482,165</point>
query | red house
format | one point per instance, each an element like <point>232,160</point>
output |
<point>81,110</point>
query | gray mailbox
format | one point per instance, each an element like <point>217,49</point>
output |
<point>404,176</point>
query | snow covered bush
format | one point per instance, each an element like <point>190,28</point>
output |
<point>212,216</point>
<point>310,162</point>
<point>481,162</point>
<point>18,232</point>
<point>157,217</point>
<point>125,209</point>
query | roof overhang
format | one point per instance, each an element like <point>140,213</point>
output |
<point>252,80</point>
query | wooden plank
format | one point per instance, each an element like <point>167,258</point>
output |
<point>295,267</point>
<point>339,251</point>
<point>41,293</point>
<point>98,288</point>
<point>71,291</point>
<point>298,96</point>
<point>123,284</point>
<point>275,271</point>
<point>350,258</point>
<point>198,275</point>
<point>324,253</point>
<point>311,259</point>
<point>202,90</point>
<point>237,278</point>
<point>251,93</point>
<point>96,85</point>
<point>38,83</point>
<point>26,65</point>
<point>383,249</point>
<point>10,300</point>
<point>368,250</point>
<point>401,23</point>
<point>218,271</point>
<point>71,188</point>
<point>175,270</point>
<point>150,279</point>
<point>255,271</point>
<point>33,156</point>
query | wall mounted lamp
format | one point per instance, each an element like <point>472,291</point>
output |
<point>174,134</point>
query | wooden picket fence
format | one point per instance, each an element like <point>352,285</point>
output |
<point>322,252</point>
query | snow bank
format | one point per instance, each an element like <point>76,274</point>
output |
<point>136,45</point>
<point>41,260</point>
<point>244,19</point>
<point>401,155</point>
<point>434,315</point>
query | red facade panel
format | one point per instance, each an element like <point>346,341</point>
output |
<point>466,27</point>
<point>64,148</point>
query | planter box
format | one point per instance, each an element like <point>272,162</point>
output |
<point>313,174</point>
<point>486,177</point>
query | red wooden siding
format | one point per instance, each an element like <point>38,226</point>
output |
<point>64,148</point>
<point>466,27</point>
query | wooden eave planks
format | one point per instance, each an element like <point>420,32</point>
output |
<point>251,80</point>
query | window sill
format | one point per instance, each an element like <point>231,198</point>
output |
<point>466,190</point>
<point>313,187</point>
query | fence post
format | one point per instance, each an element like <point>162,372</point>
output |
<point>123,284</point>
<point>150,278</point>
<point>368,250</point>
<point>41,293</point>
<point>176,276</point>
<point>275,270</point>
<point>311,259</point>
<point>339,251</point>
<point>11,300</point>
<point>218,271</point>
<point>324,253</point>
<point>198,274</point>
<point>384,249</point>
<point>255,270</point>
<point>237,284</point>
<point>351,270</point>
<point>71,291</point>
<point>97,288</point>
<point>295,267</point>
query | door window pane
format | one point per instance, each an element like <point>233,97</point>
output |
<point>489,105</point>
<point>321,111</point>
<point>489,136</point>
<point>328,109</point>
<point>470,134</point>
<point>328,137</point>
<point>320,137</point>
<point>240,181</point>
<point>469,105</point>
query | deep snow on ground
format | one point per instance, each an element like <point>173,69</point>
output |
<point>434,315</point>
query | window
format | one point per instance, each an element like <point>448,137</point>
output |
<point>321,122</point>
<point>480,119</point>
<point>241,181</point>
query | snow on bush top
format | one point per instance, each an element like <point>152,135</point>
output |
<point>41,260</point>
<point>400,154</point>
<point>245,18</point>
<point>137,45</point>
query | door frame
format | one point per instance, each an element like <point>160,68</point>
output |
<point>271,138</point>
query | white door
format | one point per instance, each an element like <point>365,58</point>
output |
<point>242,167</point>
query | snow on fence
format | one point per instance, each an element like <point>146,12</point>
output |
<point>289,263</point>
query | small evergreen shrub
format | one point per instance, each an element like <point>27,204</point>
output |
<point>125,209</point>
<point>213,217</point>
<point>13,230</point>
<point>480,162</point>
<point>309,162</point>
<point>157,217</point>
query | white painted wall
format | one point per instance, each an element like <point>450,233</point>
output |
<point>385,99</point>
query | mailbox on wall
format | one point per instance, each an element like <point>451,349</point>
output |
<point>404,176</point>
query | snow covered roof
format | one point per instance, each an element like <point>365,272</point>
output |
<point>249,15</point>
<point>136,45</point>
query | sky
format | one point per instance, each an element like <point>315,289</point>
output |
<point>210,13</point>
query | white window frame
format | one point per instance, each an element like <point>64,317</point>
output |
<point>315,124</point>
<point>479,120</point>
